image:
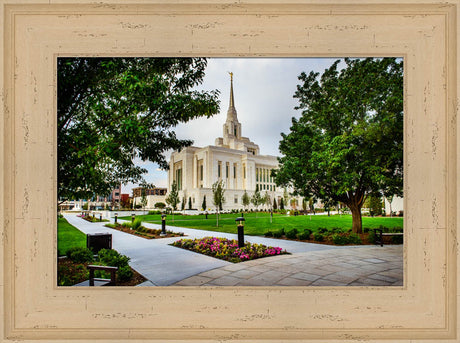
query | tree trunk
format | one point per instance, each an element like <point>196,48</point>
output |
<point>357,225</point>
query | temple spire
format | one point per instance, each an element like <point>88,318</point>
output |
<point>231,113</point>
<point>232,128</point>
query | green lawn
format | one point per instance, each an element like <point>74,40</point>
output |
<point>258,224</point>
<point>69,236</point>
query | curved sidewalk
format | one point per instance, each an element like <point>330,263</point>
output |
<point>308,265</point>
<point>160,263</point>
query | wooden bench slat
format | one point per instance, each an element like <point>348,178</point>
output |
<point>379,235</point>
<point>112,270</point>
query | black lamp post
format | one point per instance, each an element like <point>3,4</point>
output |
<point>240,222</point>
<point>206,214</point>
<point>116,217</point>
<point>133,216</point>
<point>163,225</point>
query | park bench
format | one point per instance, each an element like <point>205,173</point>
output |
<point>98,281</point>
<point>379,234</point>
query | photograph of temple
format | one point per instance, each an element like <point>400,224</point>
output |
<point>234,159</point>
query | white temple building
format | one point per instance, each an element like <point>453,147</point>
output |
<point>234,159</point>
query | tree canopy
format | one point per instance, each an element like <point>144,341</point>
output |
<point>112,111</point>
<point>348,142</point>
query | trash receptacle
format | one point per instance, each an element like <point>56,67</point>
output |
<point>98,241</point>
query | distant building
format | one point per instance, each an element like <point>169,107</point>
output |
<point>153,196</point>
<point>112,201</point>
<point>137,192</point>
<point>396,206</point>
<point>234,159</point>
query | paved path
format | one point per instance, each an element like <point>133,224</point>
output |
<point>160,263</point>
<point>366,266</point>
<point>308,264</point>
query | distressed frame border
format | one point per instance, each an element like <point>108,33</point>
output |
<point>35,33</point>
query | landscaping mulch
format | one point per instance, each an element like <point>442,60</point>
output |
<point>93,219</point>
<point>73,273</point>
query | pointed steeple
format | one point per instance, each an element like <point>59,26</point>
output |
<point>231,112</point>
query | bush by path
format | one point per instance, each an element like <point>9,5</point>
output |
<point>259,225</point>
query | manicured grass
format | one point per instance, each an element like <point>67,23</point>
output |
<point>68,237</point>
<point>258,224</point>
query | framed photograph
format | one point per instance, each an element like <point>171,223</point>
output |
<point>36,35</point>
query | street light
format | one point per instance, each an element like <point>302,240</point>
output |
<point>240,222</point>
<point>163,225</point>
<point>133,216</point>
<point>116,217</point>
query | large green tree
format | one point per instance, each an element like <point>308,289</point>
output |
<point>112,111</point>
<point>348,142</point>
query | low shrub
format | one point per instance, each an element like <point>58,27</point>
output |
<point>278,233</point>
<point>113,258</point>
<point>353,238</point>
<point>308,232</point>
<point>336,230</point>
<point>268,234</point>
<point>322,230</point>
<point>340,239</point>
<point>304,235</point>
<point>397,239</point>
<point>80,255</point>
<point>371,237</point>
<point>136,224</point>
<point>69,275</point>
<point>319,237</point>
<point>396,229</point>
<point>292,234</point>
<point>126,224</point>
<point>155,212</point>
<point>124,273</point>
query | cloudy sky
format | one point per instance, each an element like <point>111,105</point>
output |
<point>263,89</point>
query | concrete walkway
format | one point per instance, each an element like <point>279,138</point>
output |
<point>366,266</point>
<point>160,263</point>
<point>308,265</point>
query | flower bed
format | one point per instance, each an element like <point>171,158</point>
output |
<point>142,231</point>
<point>226,249</point>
